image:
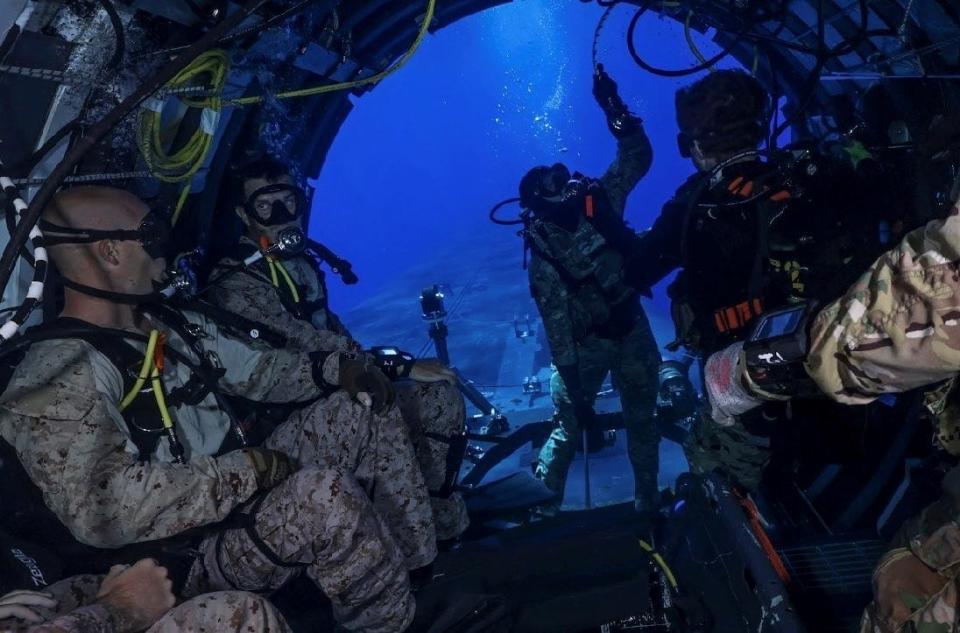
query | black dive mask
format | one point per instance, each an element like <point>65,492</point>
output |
<point>279,211</point>
<point>553,180</point>
<point>153,234</point>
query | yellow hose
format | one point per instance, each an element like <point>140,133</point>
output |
<point>286,277</point>
<point>160,398</point>
<point>273,273</point>
<point>182,165</point>
<point>348,85</point>
<point>145,372</point>
<point>693,46</point>
<point>660,563</point>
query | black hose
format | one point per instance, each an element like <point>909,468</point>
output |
<point>666,72</point>
<point>493,213</point>
<point>26,164</point>
<point>96,133</point>
<point>120,46</point>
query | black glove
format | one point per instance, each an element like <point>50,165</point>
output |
<point>357,377</point>
<point>271,467</point>
<point>606,93</point>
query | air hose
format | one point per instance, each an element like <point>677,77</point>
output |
<point>183,164</point>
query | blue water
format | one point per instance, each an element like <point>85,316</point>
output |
<point>422,158</point>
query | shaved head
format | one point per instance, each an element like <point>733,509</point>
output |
<point>115,265</point>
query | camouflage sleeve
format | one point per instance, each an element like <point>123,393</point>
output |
<point>896,328</point>
<point>633,161</point>
<point>255,299</point>
<point>64,432</point>
<point>553,302</point>
<point>94,618</point>
<point>257,371</point>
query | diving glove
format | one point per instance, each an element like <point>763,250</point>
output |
<point>271,467</point>
<point>357,376</point>
<point>620,120</point>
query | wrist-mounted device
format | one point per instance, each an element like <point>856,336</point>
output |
<point>776,350</point>
<point>393,362</point>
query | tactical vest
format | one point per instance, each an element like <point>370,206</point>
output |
<point>22,511</point>
<point>591,262</point>
<point>734,269</point>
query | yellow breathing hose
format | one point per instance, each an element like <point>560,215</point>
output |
<point>145,371</point>
<point>660,563</point>
<point>160,398</point>
<point>286,277</point>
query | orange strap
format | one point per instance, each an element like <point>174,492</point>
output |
<point>264,245</point>
<point>588,201</point>
<point>757,527</point>
<point>737,316</point>
<point>158,352</point>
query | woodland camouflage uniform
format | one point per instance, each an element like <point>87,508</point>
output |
<point>568,313</point>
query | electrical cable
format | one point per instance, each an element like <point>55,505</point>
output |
<point>40,263</point>
<point>120,45</point>
<point>666,72</point>
<point>96,133</point>
<point>599,29</point>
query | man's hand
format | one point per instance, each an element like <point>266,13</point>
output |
<point>137,596</point>
<point>432,370</point>
<point>606,93</point>
<point>271,467</point>
<point>17,604</point>
<point>366,384</point>
<point>724,381</point>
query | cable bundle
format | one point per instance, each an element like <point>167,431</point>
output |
<point>35,291</point>
<point>184,163</point>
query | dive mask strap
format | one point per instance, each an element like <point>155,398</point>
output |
<point>116,297</point>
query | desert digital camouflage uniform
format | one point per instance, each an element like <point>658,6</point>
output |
<point>223,612</point>
<point>568,314</point>
<point>436,409</point>
<point>356,516</point>
<point>896,329</point>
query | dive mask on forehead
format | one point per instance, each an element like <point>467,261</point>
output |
<point>153,234</point>
<point>288,204</point>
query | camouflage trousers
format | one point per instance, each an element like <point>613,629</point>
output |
<point>221,612</point>
<point>319,522</point>
<point>733,450</point>
<point>633,361</point>
<point>917,583</point>
<point>355,519</point>
<point>433,412</point>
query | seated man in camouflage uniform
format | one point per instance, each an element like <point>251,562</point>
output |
<point>290,294</point>
<point>124,448</point>
<point>131,599</point>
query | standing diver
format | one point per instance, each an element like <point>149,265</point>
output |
<point>745,243</point>
<point>578,243</point>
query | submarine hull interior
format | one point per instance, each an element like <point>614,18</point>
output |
<point>797,556</point>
